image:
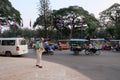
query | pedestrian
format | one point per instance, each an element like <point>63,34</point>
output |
<point>39,50</point>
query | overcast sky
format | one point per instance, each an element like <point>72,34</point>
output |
<point>29,9</point>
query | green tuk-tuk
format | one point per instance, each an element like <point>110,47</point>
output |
<point>77,45</point>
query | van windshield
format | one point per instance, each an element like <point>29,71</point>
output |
<point>22,42</point>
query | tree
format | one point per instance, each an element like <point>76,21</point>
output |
<point>27,33</point>
<point>44,18</point>
<point>8,12</point>
<point>9,16</point>
<point>117,30</point>
<point>12,33</point>
<point>76,17</point>
<point>111,18</point>
<point>110,31</point>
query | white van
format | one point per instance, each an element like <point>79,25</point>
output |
<point>13,46</point>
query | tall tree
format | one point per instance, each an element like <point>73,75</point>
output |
<point>44,18</point>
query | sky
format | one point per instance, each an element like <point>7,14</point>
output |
<point>29,8</point>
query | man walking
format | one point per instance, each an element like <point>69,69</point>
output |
<point>39,50</point>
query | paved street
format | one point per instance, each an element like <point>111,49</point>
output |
<point>103,67</point>
<point>67,66</point>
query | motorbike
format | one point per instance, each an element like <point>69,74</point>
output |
<point>49,49</point>
<point>92,51</point>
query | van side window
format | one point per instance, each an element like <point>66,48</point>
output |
<point>8,42</point>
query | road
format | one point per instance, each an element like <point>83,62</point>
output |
<point>103,67</point>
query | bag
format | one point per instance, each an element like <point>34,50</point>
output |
<point>41,49</point>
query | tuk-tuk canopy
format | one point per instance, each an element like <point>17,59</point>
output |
<point>81,40</point>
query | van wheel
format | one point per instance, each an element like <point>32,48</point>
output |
<point>8,54</point>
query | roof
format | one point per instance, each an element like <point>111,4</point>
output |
<point>114,40</point>
<point>11,38</point>
<point>98,39</point>
<point>79,40</point>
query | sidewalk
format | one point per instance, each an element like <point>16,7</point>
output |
<point>25,69</point>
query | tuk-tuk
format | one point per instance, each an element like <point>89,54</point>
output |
<point>78,45</point>
<point>115,44</point>
<point>99,43</point>
<point>63,44</point>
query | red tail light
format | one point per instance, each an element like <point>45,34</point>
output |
<point>17,48</point>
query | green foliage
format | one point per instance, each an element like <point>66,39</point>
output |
<point>110,31</point>
<point>7,10</point>
<point>44,18</point>
<point>110,18</point>
<point>65,11</point>
<point>117,30</point>
<point>27,33</point>
<point>90,20</point>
